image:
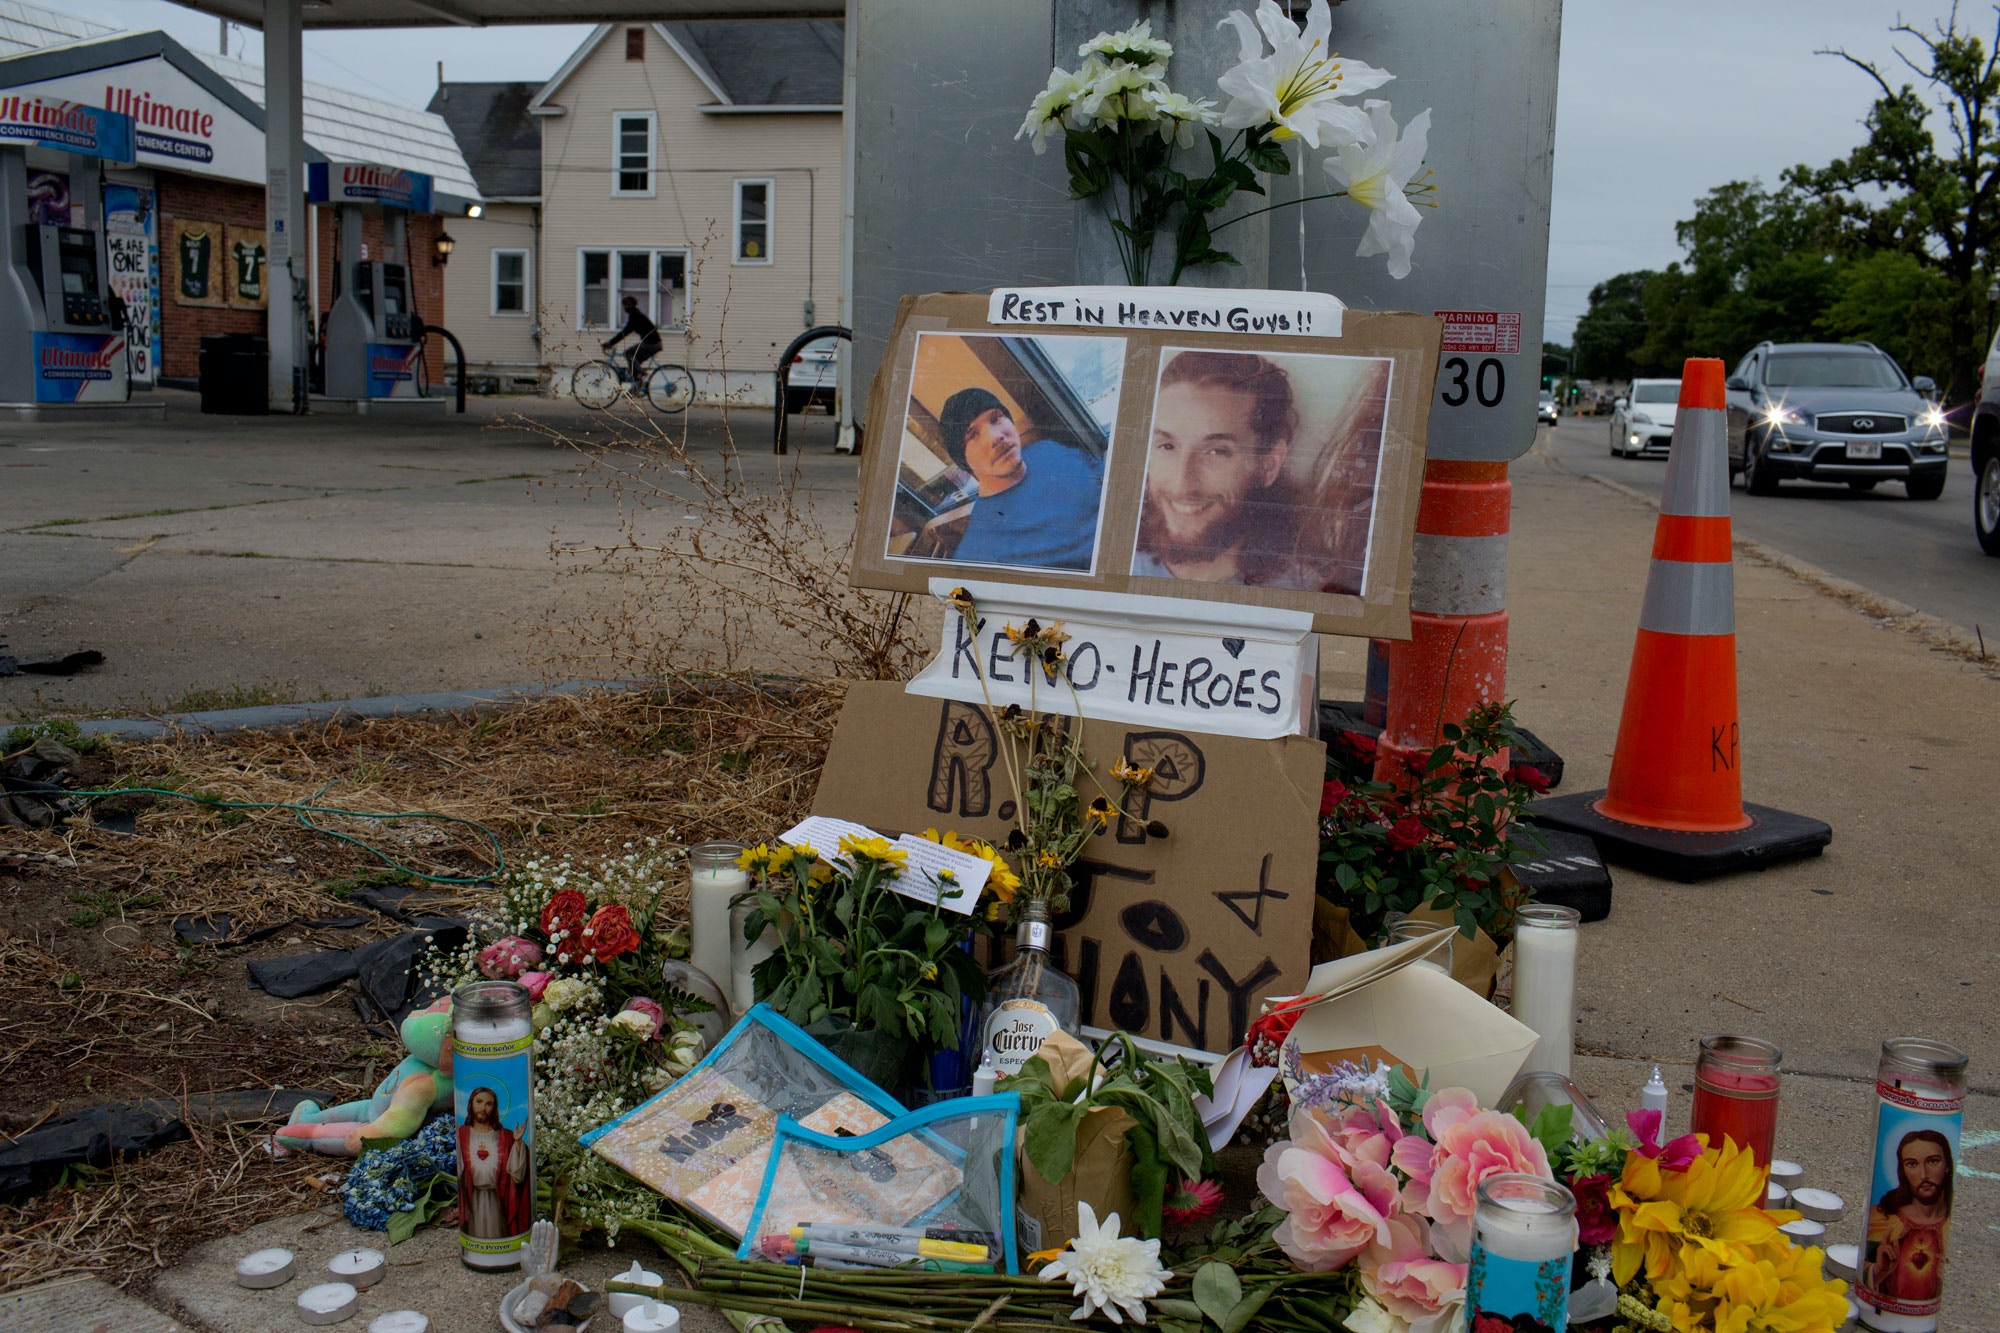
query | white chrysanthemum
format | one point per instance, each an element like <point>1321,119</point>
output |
<point>1178,115</point>
<point>1111,1272</point>
<point>1052,105</point>
<point>1375,174</point>
<point>1116,92</point>
<point>1297,87</point>
<point>1135,45</point>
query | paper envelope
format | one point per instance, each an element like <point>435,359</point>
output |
<point>1378,1004</point>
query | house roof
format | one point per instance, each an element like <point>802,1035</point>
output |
<point>25,27</point>
<point>748,65</point>
<point>501,142</point>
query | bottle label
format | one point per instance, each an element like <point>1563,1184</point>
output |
<point>1506,1293</point>
<point>493,1098</point>
<point>1909,1208</point>
<point>1015,1031</point>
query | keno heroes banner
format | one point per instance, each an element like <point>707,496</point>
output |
<point>1175,450</point>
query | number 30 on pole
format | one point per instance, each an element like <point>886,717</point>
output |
<point>1487,384</point>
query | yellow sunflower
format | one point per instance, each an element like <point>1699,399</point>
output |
<point>1665,1216</point>
<point>877,850</point>
<point>753,858</point>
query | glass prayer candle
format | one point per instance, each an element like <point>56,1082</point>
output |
<point>1439,955</point>
<point>1736,1093</point>
<point>1545,982</point>
<point>1920,1107</point>
<point>1523,1238</point>
<point>713,879</point>
<point>493,1088</point>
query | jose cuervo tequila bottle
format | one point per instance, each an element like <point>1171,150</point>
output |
<point>1028,999</point>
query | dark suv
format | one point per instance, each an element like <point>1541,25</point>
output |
<point>1833,412</point>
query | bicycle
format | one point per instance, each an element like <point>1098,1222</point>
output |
<point>599,384</point>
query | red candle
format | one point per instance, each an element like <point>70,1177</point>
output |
<point>1736,1094</point>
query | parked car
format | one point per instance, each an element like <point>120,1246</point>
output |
<point>1833,412</point>
<point>1986,454</point>
<point>1546,408</point>
<point>1642,422</point>
<point>815,373</point>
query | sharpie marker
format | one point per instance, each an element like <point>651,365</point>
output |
<point>966,1247</point>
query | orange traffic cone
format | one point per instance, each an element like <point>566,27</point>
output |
<point>1675,800</point>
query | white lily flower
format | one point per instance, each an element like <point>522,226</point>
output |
<point>1178,115</point>
<point>1116,93</point>
<point>1298,86</point>
<point>1136,45</point>
<point>1052,104</point>
<point>1375,174</point>
<point>1111,1273</point>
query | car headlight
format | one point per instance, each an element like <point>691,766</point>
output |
<point>1780,415</point>
<point>1933,418</point>
<point>1641,419</point>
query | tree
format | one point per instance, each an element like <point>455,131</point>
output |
<point>1943,207</point>
<point>1613,327</point>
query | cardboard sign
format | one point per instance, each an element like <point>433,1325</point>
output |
<point>1176,938</point>
<point>1268,466</point>
<point>1159,661</point>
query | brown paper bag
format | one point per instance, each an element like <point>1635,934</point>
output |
<point>1101,1175</point>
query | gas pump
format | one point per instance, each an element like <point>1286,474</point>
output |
<point>61,338</point>
<point>371,330</point>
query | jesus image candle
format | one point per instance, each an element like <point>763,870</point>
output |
<point>1920,1107</point>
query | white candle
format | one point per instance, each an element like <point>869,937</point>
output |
<point>1805,1231</point>
<point>1819,1205</point>
<point>1545,983</point>
<point>652,1317</point>
<point>620,1302</point>
<point>400,1321</point>
<point>328,1303</point>
<point>265,1268</point>
<point>363,1268</point>
<point>1788,1174</point>
<point>1842,1260</point>
<point>714,879</point>
<point>1775,1195</point>
<point>1531,1230</point>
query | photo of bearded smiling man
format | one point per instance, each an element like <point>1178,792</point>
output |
<point>1261,469</point>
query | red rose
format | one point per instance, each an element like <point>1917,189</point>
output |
<point>563,918</point>
<point>1359,744</point>
<point>1275,1026</point>
<point>609,933</point>
<point>1596,1223</point>
<point>1530,777</point>
<point>1330,796</point>
<point>1405,833</point>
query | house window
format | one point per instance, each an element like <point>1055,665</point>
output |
<point>753,222</point>
<point>632,153</point>
<point>635,43</point>
<point>656,279</point>
<point>510,282</point>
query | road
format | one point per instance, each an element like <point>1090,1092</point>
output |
<point>1920,552</point>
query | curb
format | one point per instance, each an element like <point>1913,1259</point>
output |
<point>1940,633</point>
<point>276,717</point>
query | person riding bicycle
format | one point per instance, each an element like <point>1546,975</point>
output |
<point>645,330</point>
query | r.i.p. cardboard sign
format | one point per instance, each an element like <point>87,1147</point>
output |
<point>1175,938</point>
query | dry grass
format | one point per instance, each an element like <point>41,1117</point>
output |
<point>114,1008</point>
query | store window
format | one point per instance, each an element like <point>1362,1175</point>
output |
<point>632,153</point>
<point>657,279</point>
<point>753,222</point>
<point>510,282</point>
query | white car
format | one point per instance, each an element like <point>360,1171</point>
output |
<point>1642,422</point>
<point>815,373</point>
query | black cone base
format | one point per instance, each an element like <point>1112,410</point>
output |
<point>1773,838</point>
<point>1567,871</point>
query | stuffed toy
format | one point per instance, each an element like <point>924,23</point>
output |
<point>414,1090</point>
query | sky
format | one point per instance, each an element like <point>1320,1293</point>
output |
<point>1657,101</point>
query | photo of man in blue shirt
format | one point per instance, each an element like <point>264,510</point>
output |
<point>1038,499</point>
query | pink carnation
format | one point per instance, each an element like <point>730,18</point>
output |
<point>1335,1212</point>
<point>536,982</point>
<point>1468,1146</point>
<point>1401,1274</point>
<point>504,960</point>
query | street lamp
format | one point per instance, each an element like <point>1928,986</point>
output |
<point>444,248</point>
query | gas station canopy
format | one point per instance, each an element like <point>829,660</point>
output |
<point>480,13</point>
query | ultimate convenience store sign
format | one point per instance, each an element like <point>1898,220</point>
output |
<point>70,127</point>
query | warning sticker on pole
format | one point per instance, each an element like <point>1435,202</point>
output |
<point>1492,332</point>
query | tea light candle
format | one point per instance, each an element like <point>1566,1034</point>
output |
<point>652,1317</point>
<point>1842,1260</point>
<point>621,1302</point>
<point>363,1268</point>
<point>1788,1174</point>
<point>1805,1231</point>
<point>328,1303</point>
<point>1545,982</point>
<point>1819,1205</point>
<point>400,1321</point>
<point>1775,1195</point>
<point>714,878</point>
<point>265,1268</point>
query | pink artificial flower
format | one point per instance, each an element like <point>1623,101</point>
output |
<point>1468,1146</point>
<point>1403,1276</point>
<point>652,1009</point>
<point>1191,1201</point>
<point>1596,1220</point>
<point>1675,1156</point>
<point>536,982</point>
<point>1334,1213</point>
<point>1362,1135</point>
<point>504,960</point>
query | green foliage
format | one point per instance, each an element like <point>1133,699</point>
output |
<point>1595,1157</point>
<point>1610,332</point>
<point>1158,1094</point>
<point>61,730</point>
<point>1440,841</point>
